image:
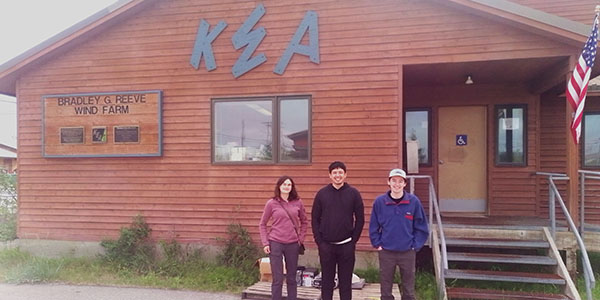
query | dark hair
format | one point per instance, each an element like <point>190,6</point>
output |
<point>337,165</point>
<point>293,193</point>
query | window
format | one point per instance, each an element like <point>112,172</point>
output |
<point>267,130</point>
<point>591,140</point>
<point>511,123</point>
<point>416,128</point>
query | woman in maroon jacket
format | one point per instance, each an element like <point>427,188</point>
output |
<point>288,228</point>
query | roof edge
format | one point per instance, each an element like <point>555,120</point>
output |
<point>538,15</point>
<point>8,147</point>
<point>9,70</point>
<point>63,34</point>
<point>569,30</point>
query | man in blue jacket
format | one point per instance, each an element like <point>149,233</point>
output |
<point>398,229</point>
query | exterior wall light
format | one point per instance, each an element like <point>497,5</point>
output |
<point>469,80</point>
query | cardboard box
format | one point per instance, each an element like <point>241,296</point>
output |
<point>264,267</point>
<point>266,277</point>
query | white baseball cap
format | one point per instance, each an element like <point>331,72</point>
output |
<point>397,172</point>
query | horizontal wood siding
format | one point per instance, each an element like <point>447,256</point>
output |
<point>592,186</point>
<point>355,111</point>
<point>552,149</point>
<point>421,187</point>
<point>513,188</point>
<point>553,158</point>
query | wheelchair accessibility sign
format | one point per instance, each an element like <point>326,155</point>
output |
<point>461,140</point>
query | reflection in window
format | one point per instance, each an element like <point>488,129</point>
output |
<point>591,140</point>
<point>247,130</point>
<point>242,131</point>
<point>416,128</point>
<point>293,130</point>
<point>510,144</point>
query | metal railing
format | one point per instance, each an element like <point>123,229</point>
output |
<point>583,175</point>
<point>554,194</point>
<point>433,210</point>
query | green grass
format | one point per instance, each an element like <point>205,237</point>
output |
<point>427,289</point>
<point>595,262</point>
<point>199,274</point>
<point>581,287</point>
<point>425,285</point>
<point>204,275</point>
<point>19,267</point>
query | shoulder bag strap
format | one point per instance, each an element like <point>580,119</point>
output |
<point>291,219</point>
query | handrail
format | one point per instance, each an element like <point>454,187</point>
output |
<point>590,281</point>
<point>584,174</point>
<point>433,207</point>
<point>552,199</point>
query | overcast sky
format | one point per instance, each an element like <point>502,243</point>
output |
<point>25,24</point>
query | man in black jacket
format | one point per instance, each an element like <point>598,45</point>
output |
<point>338,217</point>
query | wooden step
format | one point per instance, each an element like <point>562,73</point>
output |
<point>504,276</point>
<point>493,243</point>
<point>262,291</point>
<point>471,293</point>
<point>502,258</point>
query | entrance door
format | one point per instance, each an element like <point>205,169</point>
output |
<point>462,159</point>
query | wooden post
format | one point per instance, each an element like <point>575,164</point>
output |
<point>571,254</point>
<point>572,158</point>
<point>400,116</point>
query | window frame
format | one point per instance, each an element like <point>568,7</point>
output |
<point>497,161</point>
<point>429,132</point>
<point>275,131</point>
<point>583,165</point>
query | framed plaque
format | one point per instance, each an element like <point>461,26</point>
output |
<point>71,135</point>
<point>127,134</point>
<point>108,124</point>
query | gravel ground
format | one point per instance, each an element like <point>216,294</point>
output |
<point>87,292</point>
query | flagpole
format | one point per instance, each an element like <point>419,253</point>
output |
<point>577,84</point>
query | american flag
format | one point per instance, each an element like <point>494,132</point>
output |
<point>578,85</point>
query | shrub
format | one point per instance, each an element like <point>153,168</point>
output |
<point>173,261</point>
<point>133,250</point>
<point>239,250</point>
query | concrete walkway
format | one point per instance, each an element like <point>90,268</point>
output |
<point>86,292</point>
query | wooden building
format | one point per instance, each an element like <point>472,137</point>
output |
<point>207,103</point>
<point>8,157</point>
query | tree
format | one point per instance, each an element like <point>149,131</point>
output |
<point>8,206</point>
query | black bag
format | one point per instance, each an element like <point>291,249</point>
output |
<point>301,249</point>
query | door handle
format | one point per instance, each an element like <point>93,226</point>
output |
<point>441,162</point>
